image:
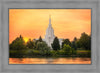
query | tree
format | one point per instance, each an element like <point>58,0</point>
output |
<point>85,41</point>
<point>66,41</point>
<point>18,44</point>
<point>43,48</point>
<point>73,44</point>
<point>55,45</point>
<point>40,39</point>
<point>17,48</point>
<point>67,49</point>
<point>30,44</point>
<point>78,45</point>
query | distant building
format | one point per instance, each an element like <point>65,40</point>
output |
<point>49,37</point>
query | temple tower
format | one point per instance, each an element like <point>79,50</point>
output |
<point>49,37</point>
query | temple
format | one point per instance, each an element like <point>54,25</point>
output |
<point>49,37</point>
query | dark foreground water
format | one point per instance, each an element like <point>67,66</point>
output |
<point>49,60</point>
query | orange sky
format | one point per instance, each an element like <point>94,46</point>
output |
<point>32,23</point>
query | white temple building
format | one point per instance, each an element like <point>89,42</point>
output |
<point>49,37</point>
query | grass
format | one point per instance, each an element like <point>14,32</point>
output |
<point>83,51</point>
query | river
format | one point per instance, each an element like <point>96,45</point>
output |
<point>49,60</point>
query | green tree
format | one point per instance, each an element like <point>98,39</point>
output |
<point>30,44</point>
<point>43,48</point>
<point>85,41</point>
<point>18,44</point>
<point>17,48</point>
<point>55,45</point>
<point>66,41</point>
<point>67,49</point>
<point>40,39</point>
<point>73,44</point>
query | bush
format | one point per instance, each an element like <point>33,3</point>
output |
<point>61,52</point>
<point>83,53</point>
<point>67,49</point>
<point>54,53</point>
<point>16,54</point>
<point>43,48</point>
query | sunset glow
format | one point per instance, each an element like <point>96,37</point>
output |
<point>26,39</point>
<point>32,23</point>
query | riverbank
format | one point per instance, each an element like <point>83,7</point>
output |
<point>38,54</point>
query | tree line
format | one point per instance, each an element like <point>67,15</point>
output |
<point>38,48</point>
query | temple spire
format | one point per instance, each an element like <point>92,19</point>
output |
<point>49,19</point>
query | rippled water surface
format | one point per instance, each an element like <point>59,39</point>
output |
<point>49,60</point>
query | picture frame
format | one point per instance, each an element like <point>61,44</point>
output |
<point>45,68</point>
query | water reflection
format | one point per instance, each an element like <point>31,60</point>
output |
<point>49,60</point>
